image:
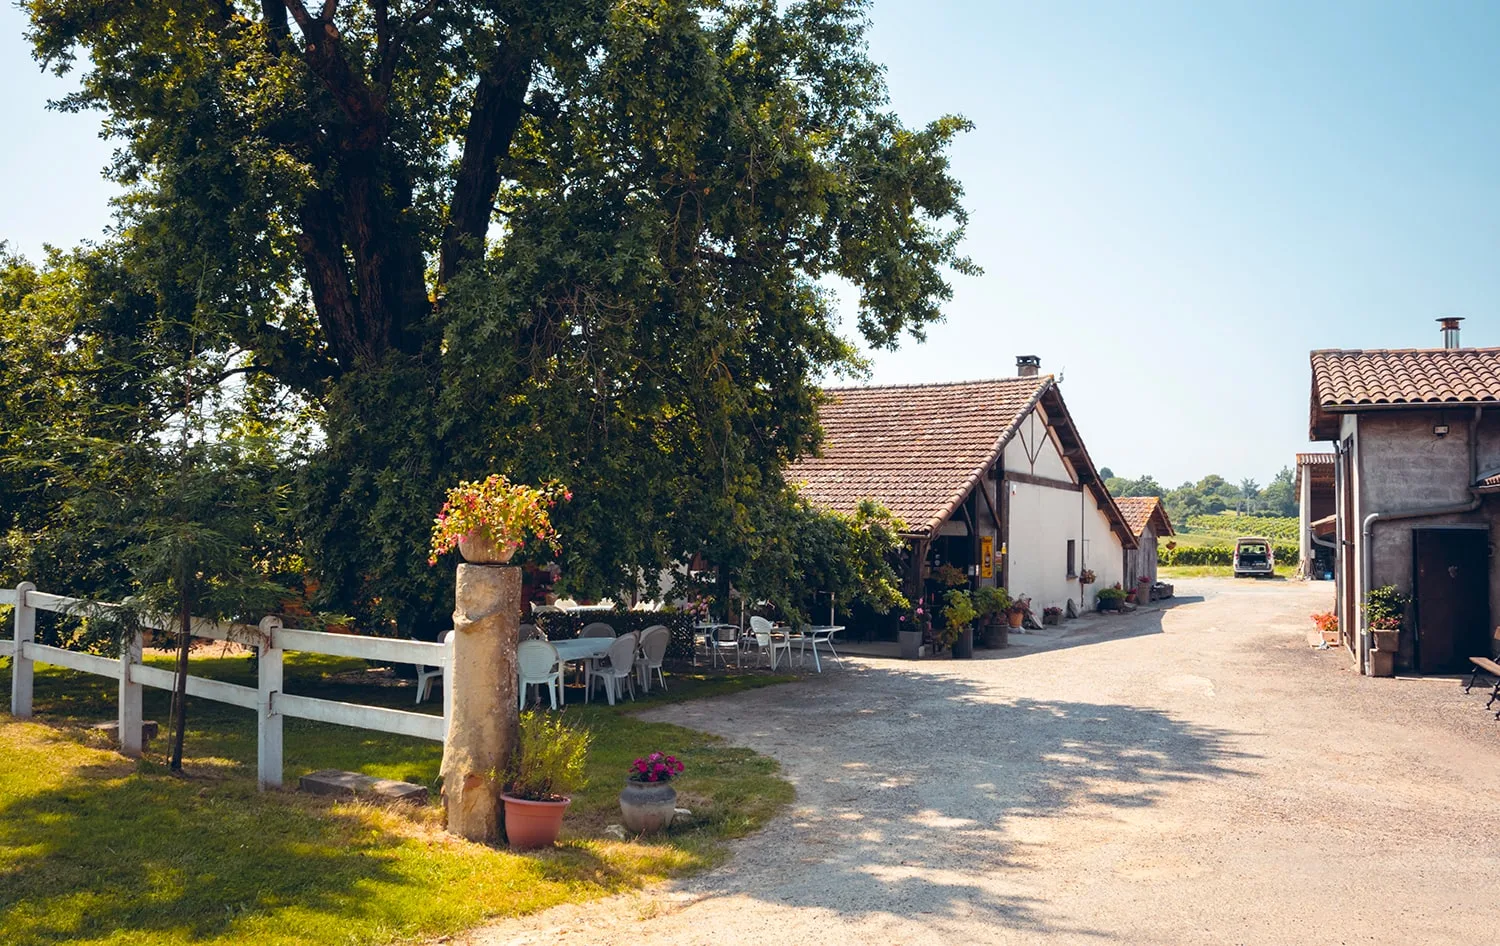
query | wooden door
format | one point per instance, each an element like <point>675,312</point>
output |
<point>1451,579</point>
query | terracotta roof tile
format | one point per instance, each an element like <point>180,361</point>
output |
<point>1316,459</point>
<point>915,448</point>
<point>1138,512</point>
<point>1348,380</point>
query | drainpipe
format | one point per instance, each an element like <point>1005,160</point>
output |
<point>1366,538</point>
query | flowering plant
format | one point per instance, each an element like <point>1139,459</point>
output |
<point>1086,576</point>
<point>504,512</point>
<point>1052,612</point>
<point>1326,622</point>
<point>655,767</point>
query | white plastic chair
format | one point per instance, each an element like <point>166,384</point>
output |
<point>537,664</point>
<point>425,676</point>
<point>597,629</point>
<point>654,641</point>
<point>615,667</point>
<point>725,637</point>
<point>768,641</point>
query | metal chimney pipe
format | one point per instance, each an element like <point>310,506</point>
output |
<point>1450,331</point>
<point>1028,366</point>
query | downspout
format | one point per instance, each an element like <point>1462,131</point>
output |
<point>1366,537</point>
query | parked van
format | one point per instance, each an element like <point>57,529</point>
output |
<point>1255,557</point>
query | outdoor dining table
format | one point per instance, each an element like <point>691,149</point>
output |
<point>580,648</point>
<point>814,635</point>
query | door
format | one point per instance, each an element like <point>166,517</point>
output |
<point>1452,597</point>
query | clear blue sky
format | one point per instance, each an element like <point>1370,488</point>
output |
<point>1172,202</point>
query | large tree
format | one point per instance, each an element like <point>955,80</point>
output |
<point>585,239</point>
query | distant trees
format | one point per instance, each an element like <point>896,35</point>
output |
<point>1213,494</point>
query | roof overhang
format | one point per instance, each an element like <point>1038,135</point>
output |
<point>1077,456</point>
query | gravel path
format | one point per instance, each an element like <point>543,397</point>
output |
<point>1192,774</point>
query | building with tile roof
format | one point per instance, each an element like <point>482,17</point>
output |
<point>1146,516</point>
<point>988,476</point>
<point>1414,469</point>
<point>1315,506</point>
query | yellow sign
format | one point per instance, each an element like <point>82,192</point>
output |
<point>986,556</point>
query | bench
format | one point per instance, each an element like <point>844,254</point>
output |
<point>1486,665</point>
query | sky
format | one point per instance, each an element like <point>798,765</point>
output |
<point>1173,203</point>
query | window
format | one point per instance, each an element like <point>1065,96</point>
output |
<point>1072,559</point>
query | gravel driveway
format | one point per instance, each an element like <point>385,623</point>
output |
<point>1190,774</point>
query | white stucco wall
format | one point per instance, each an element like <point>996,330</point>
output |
<point>1042,521</point>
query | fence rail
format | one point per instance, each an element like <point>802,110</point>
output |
<point>267,699</point>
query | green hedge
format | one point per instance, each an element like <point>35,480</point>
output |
<point>1217,555</point>
<point>564,625</point>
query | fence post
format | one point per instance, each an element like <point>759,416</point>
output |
<point>21,665</point>
<point>131,717</point>
<point>268,753</point>
<point>448,650</point>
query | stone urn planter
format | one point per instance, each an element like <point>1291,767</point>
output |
<point>647,807</point>
<point>911,644</point>
<point>533,824</point>
<point>479,549</point>
<point>995,635</point>
<point>1385,640</point>
<point>963,648</point>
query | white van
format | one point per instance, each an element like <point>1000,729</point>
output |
<point>1255,557</point>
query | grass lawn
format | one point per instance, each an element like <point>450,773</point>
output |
<point>1215,571</point>
<point>95,848</point>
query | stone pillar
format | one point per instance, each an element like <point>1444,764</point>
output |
<point>482,726</point>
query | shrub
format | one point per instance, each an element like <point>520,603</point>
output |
<point>550,759</point>
<point>1111,594</point>
<point>1216,554</point>
<point>991,602</point>
<point>1384,607</point>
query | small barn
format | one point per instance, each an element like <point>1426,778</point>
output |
<point>1315,511</point>
<point>989,477</point>
<point>1148,521</point>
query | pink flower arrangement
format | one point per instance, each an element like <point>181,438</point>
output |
<point>505,512</point>
<point>655,767</point>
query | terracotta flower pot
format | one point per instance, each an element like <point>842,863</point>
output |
<point>479,549</point>
<point>533,824</point>
<point>647,807</point>
<point>1014,618</point>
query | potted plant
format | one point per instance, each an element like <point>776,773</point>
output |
<point>648,800</point>
<point>543,772</point>
<point>1017,613</point>
<point>958,615</point>
<point>992,605</point>
<point>1327,624</point>
<point>1384,609</point>
<point>1086,577</point>
<point>1051,615</point>
<point>487,521</point>
<point>912,630</point>
<point>1109,598</point>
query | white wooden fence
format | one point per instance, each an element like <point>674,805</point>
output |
<point>267,700</point>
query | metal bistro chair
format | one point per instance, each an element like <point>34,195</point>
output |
<point>724,637</point>
<point>616,668</point>
<point>654,641</point>
<point>769,642</point>
<point>537,664</point>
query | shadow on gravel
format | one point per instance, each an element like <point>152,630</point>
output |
<point>922,795</point>
<point>1090,629</point>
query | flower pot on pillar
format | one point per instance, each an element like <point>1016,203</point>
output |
<point>479,549</point>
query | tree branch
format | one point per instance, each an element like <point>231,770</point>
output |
<point>499,99</point>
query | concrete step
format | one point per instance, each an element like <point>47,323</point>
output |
<point>337,782</point>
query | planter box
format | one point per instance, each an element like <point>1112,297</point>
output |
<point>911,644</point>
<point>1382,663</point>
<point>995,636</point>
<point>1051,618</point>
<point>1385,640</point>
<point>964,647</point>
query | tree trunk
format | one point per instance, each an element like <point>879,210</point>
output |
<point>179,685</point>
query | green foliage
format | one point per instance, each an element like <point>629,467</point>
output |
<point>958,610</point>
<point>1110,594</point>
<point>1385,607</point>
<point>579,240</point>
<point>551,758</point>
<point>1230,526</point>
<point>805,549</point>
<point>991,602</point>
<point>1216,554</point>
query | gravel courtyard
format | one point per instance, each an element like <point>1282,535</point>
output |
<point>1189,774</point>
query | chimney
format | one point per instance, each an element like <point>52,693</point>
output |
<point>1450,331</point>
<point>1029,366</point>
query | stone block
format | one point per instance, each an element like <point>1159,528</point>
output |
<point>336,782</point>
<point>149,729</point>
<point>1382,663</point>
